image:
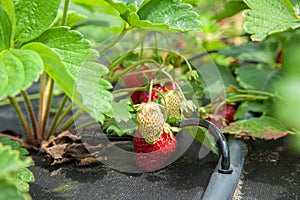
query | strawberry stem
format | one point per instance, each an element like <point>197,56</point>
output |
<point>150,91</point>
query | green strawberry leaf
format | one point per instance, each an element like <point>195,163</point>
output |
<point>120,110</point>
<point>102,21</point>
<point>10,191</point>
<point>5,29</point>
<point>121,128</point>
<point>33,18</point>
<point>268,17</point>
<point>22,178</point>
<point>263,128</point>
<point>94,90</point>
<point>256,77</point>
<point>290,55</point>
<point>265,52</point>
<point>18,70</point>
<point>13,166</point>
<point>10,160</point>
<point>231,8</point>
<point>157,14</point>
<point>5,140</point>
<point>70,46</point>
<point>287,109</point>
<point>175,14</point>
<point>248,106</point>
<point>9,8</point>
<point>56,70</point>
<point>296,5</point>
<point>203,136</point>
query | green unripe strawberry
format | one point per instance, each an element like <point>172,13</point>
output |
<point>150,120</point>
<point>172,102</point>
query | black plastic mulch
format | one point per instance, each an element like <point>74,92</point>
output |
<point>183,179</point>
<point>271,171</point>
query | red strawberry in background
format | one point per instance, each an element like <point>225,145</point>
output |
<point>227,111</point>
<point>154,95</point>
<point>136,97</point>
<point>279,57</point>
<point>222,116</point>
<point>150,157</point>
<point>134,79</point>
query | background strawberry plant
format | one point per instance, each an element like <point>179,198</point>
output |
<point>254,52</point>
<point>61,44</point>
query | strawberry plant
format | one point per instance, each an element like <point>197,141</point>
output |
<point>14,174</point>
<point>126,65</point>
<point>36,44</point>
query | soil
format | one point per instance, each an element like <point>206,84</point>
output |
<point>183,179</point>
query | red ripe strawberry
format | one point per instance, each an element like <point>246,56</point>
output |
<point>137,79</point>
<point>227,111</point>
<point>150,157</point>
<point>279,57</point>
<point>223,115</point>
<point>136,97</point>
<point>154,94</point>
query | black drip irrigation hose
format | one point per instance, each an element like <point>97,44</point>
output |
<point>217,135</point>
<point>212,129</point>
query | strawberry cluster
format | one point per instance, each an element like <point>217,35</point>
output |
<point>154,142</point>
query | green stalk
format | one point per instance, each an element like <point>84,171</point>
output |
<point>117,76</point>
<point>112,43</point>
<point>41,107</point>
<point>30,110</point>
<point>65,13</point>
<point>256,92</point>
<point>54,124</point>
<point>70,121</point>
<point>240,97</point>
<point>116,63</point>
<point>20,99</point>
<point>48,99</point>
<point>119,60</point>
<point>28,131</point>
<point>63,116</point>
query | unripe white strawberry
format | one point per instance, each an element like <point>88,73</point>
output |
<point>150,119</point>
<point>172,101</point>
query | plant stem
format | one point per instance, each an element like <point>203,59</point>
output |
<point>117,76</point>
<point>65,13</point>
<point>54,124</point>
<point>20,99</point>
<point>30,110</point>
<point>48,99</point>
<point>28,131</point>
<point>41,107</point>
<point>112,43</point>
<point>63,115</point>
<point>119,60</point>
<point>70,121</point>
<point>241,97</point>
<point>256,92</point>
<point>124,56</point>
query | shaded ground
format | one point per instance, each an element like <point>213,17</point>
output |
<point>271,171</point>
<point>183,179</point>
